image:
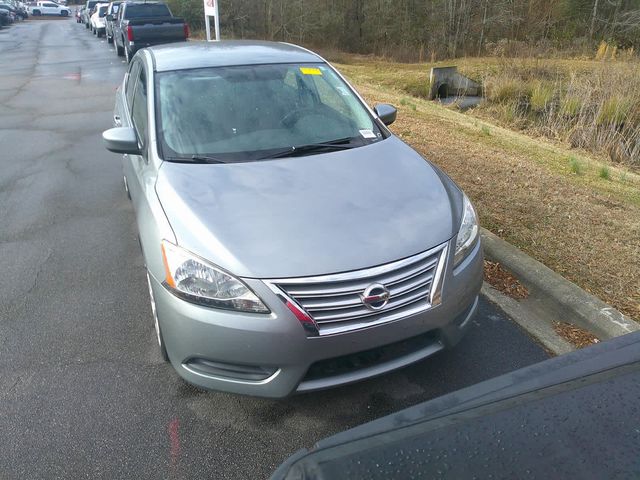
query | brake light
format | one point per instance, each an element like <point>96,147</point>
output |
<point>186,30</point>
<point>130,33</point>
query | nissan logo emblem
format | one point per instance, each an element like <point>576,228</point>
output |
<point>375,296</point>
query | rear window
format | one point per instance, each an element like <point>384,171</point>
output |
<point>147,10</point>
<point>102,11</point>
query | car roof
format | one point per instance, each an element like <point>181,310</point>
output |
<point>181,56</point>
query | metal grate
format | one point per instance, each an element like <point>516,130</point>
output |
<point>335,302</point>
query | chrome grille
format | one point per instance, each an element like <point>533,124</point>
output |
<point>335,302</point>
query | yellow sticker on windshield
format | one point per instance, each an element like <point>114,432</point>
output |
<point>310,71</point>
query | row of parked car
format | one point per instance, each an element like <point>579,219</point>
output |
<point>130,26</point>
<point>12,11</point>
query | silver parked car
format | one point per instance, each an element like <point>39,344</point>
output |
<point>292,242</point>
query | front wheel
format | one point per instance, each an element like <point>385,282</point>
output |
<point>36,13</point>
<point>64,13</point>
<point>109,39</point>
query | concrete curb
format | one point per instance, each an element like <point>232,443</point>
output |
<point>552,297</point>
<point>529,320</point>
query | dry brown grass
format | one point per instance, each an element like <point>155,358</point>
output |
<point>503,280</point>
<point>578,337</point>
<point>583,227</point>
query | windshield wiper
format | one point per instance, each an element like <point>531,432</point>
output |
<point>197,159</point>
<point>339,144</point>
<point>206,159</point>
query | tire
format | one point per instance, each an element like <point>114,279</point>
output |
<point>98,34</point>
<point>36,13</point>
<point>64,13</point>
<point>109,39</point>
<point>119,50</point>
<point>86,25</point>
<point>163,349</point>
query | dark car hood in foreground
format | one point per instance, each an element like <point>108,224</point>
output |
<point>310,215</point>
<point>575,416</point>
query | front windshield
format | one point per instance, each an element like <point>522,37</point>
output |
<point>244,113</point>
<point>102,11</point>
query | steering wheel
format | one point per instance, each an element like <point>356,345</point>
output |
<point>290,118</point>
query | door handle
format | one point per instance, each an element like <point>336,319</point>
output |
<point>117,121</point>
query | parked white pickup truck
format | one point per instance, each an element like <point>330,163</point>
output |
<point>49,8</point>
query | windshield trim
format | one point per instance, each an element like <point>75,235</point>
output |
<point>257,155</point>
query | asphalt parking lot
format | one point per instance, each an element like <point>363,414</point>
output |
<point>83,391</point>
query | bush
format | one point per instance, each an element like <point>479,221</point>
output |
<point>505,90</point>
<point>541,96</point>
<point>614,111</point>
<point>192,11</point>
<point>571,106</point>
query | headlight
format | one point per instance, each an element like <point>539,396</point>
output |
<point>196,280</point>
<point>468,233</point>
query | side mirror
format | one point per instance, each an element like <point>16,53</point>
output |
<point>121,140</point>
<point>386,113</point>
<point>109,18</point>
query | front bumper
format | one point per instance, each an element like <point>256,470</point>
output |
<point>277,345</point>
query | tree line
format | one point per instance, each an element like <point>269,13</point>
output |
<point>428,29</point>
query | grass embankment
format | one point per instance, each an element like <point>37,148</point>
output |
<point>555,203</point>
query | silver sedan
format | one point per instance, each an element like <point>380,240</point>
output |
<point>292,242</point>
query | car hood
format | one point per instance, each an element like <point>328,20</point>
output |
<point>310,215</point>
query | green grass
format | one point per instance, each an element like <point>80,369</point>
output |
<point>614,111</point>
<point>575,166</point>
<point>604,172</point>
<point>406,103</point>
<point>541,96</point>
<point>571,106</point>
